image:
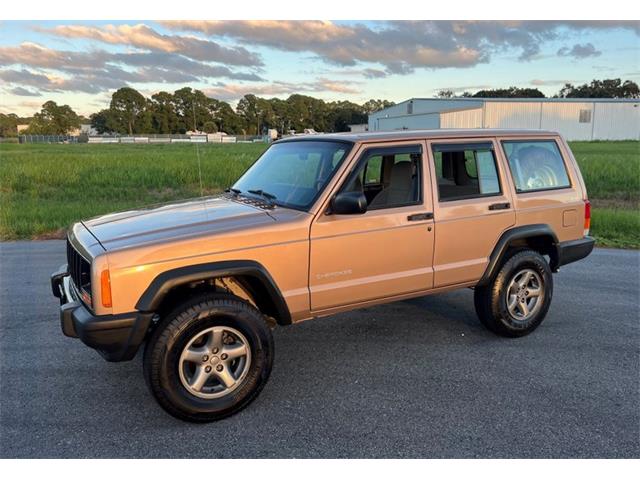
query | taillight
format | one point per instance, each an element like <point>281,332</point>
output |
<point>105,288</point>
<point>587,217</point>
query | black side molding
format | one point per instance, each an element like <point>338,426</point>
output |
<point>163,283</point>
<point>518,233</point>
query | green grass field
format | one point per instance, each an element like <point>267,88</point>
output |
<point>611,171</point>
<point>44,188</point>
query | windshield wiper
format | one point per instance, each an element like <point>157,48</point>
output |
<point>266,195</point>
<point>233,190</point>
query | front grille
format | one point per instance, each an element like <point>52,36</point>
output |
<point>80,272</point>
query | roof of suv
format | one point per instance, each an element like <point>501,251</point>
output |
<point>419,134</point>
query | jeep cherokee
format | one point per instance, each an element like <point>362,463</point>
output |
<point>202,282</point>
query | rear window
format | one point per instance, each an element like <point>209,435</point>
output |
<point>536,165</point>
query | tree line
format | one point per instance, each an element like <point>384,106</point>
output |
<point>130,112</point>
<point>609,88</point>
<point>191,110</point>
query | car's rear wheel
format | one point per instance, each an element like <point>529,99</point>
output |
<point>209,358</point>
<point>516,301</point>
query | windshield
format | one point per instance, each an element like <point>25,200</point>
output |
<point>293,174</point>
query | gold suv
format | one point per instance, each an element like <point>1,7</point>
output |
<point>323,224</point>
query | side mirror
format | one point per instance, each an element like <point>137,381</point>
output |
<point>349,203</point>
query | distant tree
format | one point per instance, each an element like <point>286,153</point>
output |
<point>192,109</point>
<point>53,119</point>
<point>209,127</point>
<point>250,110</point>
<point>266,114</point>
<point>307,112</point>
<point>100,121</point>
<point>129,112</point>
<point>164,118</point>
<point>186,109</point>
<point>511,92</point>
<point>372,105</point>
<point>282,114</point>
<point>610,88</point>
<point>342,114</point>
<point>445,94</point>
<point>225,118</point>
<point>8,125</point>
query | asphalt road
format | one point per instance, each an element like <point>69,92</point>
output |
<point>419,378</point>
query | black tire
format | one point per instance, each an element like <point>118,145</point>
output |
<point>491,300</point>
<point>162,353</point>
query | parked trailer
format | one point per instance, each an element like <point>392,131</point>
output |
<point>103,140</point>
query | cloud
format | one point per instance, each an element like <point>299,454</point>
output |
<point>92,82</point>
<point>579,51</point>
<point>542,83</point>
<point>28,78</point>
<point>465,88</point>
<point>213,52</point>
<point>399,46</point>
<point>146,38</point>
<point>97,70</point>
<point>49,70</point>
<point>326,85</point>
<point>30,104</point>
<point>35,55</point>
<point>23,92</point>
<point>357,72</point>
<point>232,92</point>
<point>169,61</point>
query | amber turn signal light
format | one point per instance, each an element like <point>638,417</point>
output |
<point>105,288</point>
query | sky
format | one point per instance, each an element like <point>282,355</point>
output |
<point>81,63</point>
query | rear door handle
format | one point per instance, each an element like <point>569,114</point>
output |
<point>420,216</point>
<point>500,206</point>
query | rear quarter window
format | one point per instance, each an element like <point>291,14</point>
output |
<point>536,165</point>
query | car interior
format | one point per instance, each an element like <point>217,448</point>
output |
<point>388,180</point>
<point>465,173</point>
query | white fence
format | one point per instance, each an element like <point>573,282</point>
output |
<point>145,139</point>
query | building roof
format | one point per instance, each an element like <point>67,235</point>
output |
<point>419,134</point>
<point>556,100</point>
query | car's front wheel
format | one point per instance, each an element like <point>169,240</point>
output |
<point>516,301</point>
<point>209,358</point>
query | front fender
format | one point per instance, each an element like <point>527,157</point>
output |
<point>152,297</point>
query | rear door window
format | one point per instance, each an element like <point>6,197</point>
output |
<point>536,165</point>
<point>465,171</point>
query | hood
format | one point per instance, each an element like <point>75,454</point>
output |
<point>174,221</point>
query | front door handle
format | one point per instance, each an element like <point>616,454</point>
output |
<point>420,216</point>
<point>500,206</point>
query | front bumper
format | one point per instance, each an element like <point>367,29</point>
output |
<point>574,250</point>
<point>116,337</point>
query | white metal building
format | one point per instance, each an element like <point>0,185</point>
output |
<point>574,118</point>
